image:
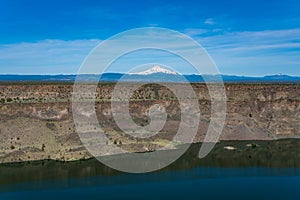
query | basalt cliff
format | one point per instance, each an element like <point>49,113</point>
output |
<point>36,120</point>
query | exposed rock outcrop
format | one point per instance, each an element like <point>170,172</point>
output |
<point>36,120</point>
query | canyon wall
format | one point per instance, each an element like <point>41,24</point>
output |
<point>36,119</point>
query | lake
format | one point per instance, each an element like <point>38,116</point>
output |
<point>255,170</point>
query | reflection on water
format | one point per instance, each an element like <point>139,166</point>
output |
<point>249,159</point>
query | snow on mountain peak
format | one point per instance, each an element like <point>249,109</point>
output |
<point>156,69</point>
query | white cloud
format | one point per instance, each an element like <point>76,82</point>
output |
<point>255,52</point>
<point>247,53</point>
<point>244,41</point>
<point>195,31</point>
<point>50,56</point>
<point>209,21</point>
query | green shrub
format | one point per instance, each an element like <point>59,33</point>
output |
<point>9,100</point>
<point>253,145</point>
<point>43,147</point>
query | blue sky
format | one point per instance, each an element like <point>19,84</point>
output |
<point>253,38</point>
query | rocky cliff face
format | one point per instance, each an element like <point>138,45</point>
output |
<point>36,120</point>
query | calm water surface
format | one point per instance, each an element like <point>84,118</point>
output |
<point>269,169</point>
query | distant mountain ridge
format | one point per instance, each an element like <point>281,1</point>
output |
<point>154,77</point>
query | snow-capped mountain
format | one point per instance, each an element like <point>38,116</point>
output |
<point>154,70</point>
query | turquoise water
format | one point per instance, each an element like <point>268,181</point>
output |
<point>269,171</point>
